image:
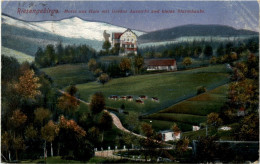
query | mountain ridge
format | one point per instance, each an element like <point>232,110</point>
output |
<point>71,17</point>
<point>170,34</point>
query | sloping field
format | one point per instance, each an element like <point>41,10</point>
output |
<point>192,111</point>
<point>64,75</point>
<point>169,88</point>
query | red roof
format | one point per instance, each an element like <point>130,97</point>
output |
<point>116,35</point>
<point>161,62</point>
<point>242,109</point>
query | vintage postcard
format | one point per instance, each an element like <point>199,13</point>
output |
<point>130,81</point>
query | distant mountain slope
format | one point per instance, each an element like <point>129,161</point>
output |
<point>193,30</point>
<point>21,57</point>
<point>28,36</point>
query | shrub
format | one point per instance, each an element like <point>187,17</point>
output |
<point>201,89</point>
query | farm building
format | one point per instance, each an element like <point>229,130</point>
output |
<point>169,135</point>
<point>127,41</point>
<point>161,65</point>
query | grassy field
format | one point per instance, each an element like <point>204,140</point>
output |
<point>64,75</point>
<point>224,135</point>
<point>202,104</point>
<point>190,112</point>
<point>169,88</point>
<point>21,57</point>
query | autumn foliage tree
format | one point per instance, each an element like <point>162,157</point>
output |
<point>67,103</point>
<point>214,119</point>
<point>151,142</point>
<point>28,85</point>
<point>138,63</point>
<point>125,65</point>
<point>17,120</point>
<point>187,61</point>
<point>6,143</point>
<point>42,116</point>
<point>49,132</point>
<point>78,146</point>
<point>243,99</point>
<point>92,65</point>
<point>97,103</point>
<point>249,128</point>
<point>103,78</point>
<point>147,129</point>
<point>182,145</point>
<point>175,128</point>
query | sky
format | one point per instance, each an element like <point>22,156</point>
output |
<point>238,14</point>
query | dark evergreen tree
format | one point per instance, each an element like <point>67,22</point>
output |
<point>208,51</point>
<point>220,50</point>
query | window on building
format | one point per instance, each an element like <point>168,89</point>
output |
<point>132,46</point>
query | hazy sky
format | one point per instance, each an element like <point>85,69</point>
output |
<point>239,14</point>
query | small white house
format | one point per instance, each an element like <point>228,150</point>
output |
<point>195,128</point>
<point>241,112</point>
<point>225,128</point>
<point>169,135</point>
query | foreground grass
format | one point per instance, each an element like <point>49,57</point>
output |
<point>190,112</point>
<point>56,159</point>
<point>64,75</point>
<point>169,87</point>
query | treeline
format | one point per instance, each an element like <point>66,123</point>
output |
<point>126,67</point>
<point>54,55</point>
<point>200,49</point>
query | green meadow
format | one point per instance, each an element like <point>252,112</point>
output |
<point>64,75</point>
<point>169,88</point>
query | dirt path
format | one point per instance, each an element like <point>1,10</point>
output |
<point>119,125</point>
<point>107,154</point>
